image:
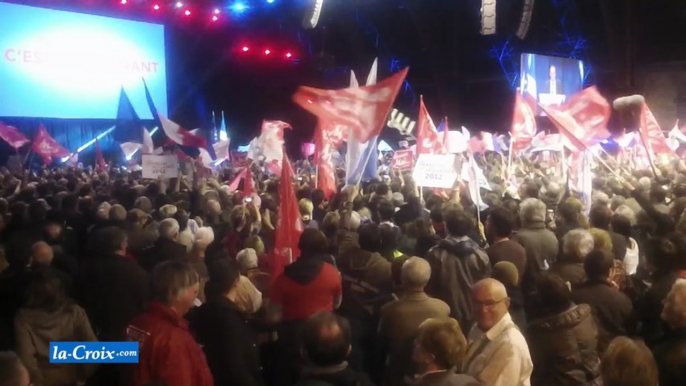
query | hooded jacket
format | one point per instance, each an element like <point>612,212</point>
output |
<point>35,329</point>
<point>366,279</point>
<point>564,348</point>
<point>456,265</point>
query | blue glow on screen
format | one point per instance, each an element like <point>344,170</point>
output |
<point>57,64</point>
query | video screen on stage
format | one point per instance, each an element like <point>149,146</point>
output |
<point>550,80</point>
<point>58,64</point>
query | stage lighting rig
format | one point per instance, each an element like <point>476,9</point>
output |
<point>312,16</point>
<point>488,17</point>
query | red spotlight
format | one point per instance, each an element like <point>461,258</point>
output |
<point>124,2</point>
<point>156,7</point>
<point>246,48</point>
<point>187,12</point>
<point>288,55</point>
<point>267,51</point>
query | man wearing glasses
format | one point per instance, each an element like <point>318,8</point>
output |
<point>498,354</point>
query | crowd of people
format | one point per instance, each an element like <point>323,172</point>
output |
<point>393,284</point>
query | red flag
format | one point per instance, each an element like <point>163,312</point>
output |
<point>523,125</point>
<point>446,136</point>
<point>428,140</point>
<point>362,109</point>
<point>100,163</point>
<point>289,226</point>
<point>651,134</point>
<point>325,142</point>
<point>249,184</point>
<point>236,181</point>
<point>180,135</point>
<point>12,136</point>
<point>582,121</point>
<point>45,146</point>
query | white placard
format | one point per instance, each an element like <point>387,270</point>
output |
<point>156,166</point>
<point>436,170</point>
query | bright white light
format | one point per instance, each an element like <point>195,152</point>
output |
<point>217,11</point>
<point>316,12</point>
<point>239,7</point>
<point>215,18</point>
<point>271,1</point>
<point>187,13</point>
<point>128,157</point>
<point>179,4</point>
<point>223,136</point>
<point>89,143</point>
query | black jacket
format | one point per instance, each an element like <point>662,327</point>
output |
<point>612,309</point>
<point>564,348</point>
<point>113,289</point>
<point>163,250</point>
<point>229,343</point>
<point>456,266</point>
<point>670,356</point>
<point>344,377</point>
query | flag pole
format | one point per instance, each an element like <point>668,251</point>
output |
<point>366,162</point>
<point>648,151</point>
<point>509,159</point>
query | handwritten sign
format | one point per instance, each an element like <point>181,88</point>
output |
<point>165,166</point>
<point>402,160</point>
<point>436,170</point>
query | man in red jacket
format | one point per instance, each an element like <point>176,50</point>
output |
<point>168,352</point>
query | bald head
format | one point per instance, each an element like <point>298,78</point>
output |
<point>326,339</point>
<point>41,254</point>
<point>490,303</point>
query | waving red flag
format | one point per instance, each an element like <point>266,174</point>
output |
<point>651,134</point>
<point>12,136</point>
<point>99,159</point>
<point>249,184</point>
<point>523,125</point>
<point>237,180</point>
<point>428,139</point>
<point>327,139</point>
<point>582,121</point>
<point>362,109</point>
<point>180,135</point>
<point>289,226</point>
<point>45,146</point>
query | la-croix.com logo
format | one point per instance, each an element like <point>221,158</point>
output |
<point>94,352</point>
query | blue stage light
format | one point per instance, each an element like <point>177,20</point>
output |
<point>271,1</point>
<point>88,144</point>
<point>239,7</point>
<point>152,132</point>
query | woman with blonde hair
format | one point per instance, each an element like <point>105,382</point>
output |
<point>439,348</point>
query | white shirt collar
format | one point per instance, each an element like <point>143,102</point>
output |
<point>494,332</point>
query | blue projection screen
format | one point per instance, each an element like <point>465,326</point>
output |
<point>550,80</point>
<point>57,64</point>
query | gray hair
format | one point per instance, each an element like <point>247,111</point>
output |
<point>415,272</point>
<point>600,198</point>
<point>143,203</point>
<point>247,259</point>
<point>674,311</point>
<point>171,278</point>
<point>626,211</point>
<point>577,243</point>
<point>616,202</point>
<point>167,211</point>
<point>169,228</point>
<point>203,237</point>
<point>532,210</point>
<point>117,213</point>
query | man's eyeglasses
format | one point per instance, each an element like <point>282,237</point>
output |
<point>488,304</point>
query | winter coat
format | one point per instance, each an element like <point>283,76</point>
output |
<point>229,343</point>
<point>670,356</point>
<point>35,329</point>
<point>564,348</point>
<point>113,290</point>
<point>456,265</point>
<point>168,353</point>
<point>541,248</point>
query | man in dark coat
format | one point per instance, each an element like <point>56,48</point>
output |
<point>166,248</point>
<point>670,352</point>
<point>113,288</point>
<point>326,345</point>
<point>600,217</point>
<point>457,263</point>
<point>229,343</point>
<point>613,310</point>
